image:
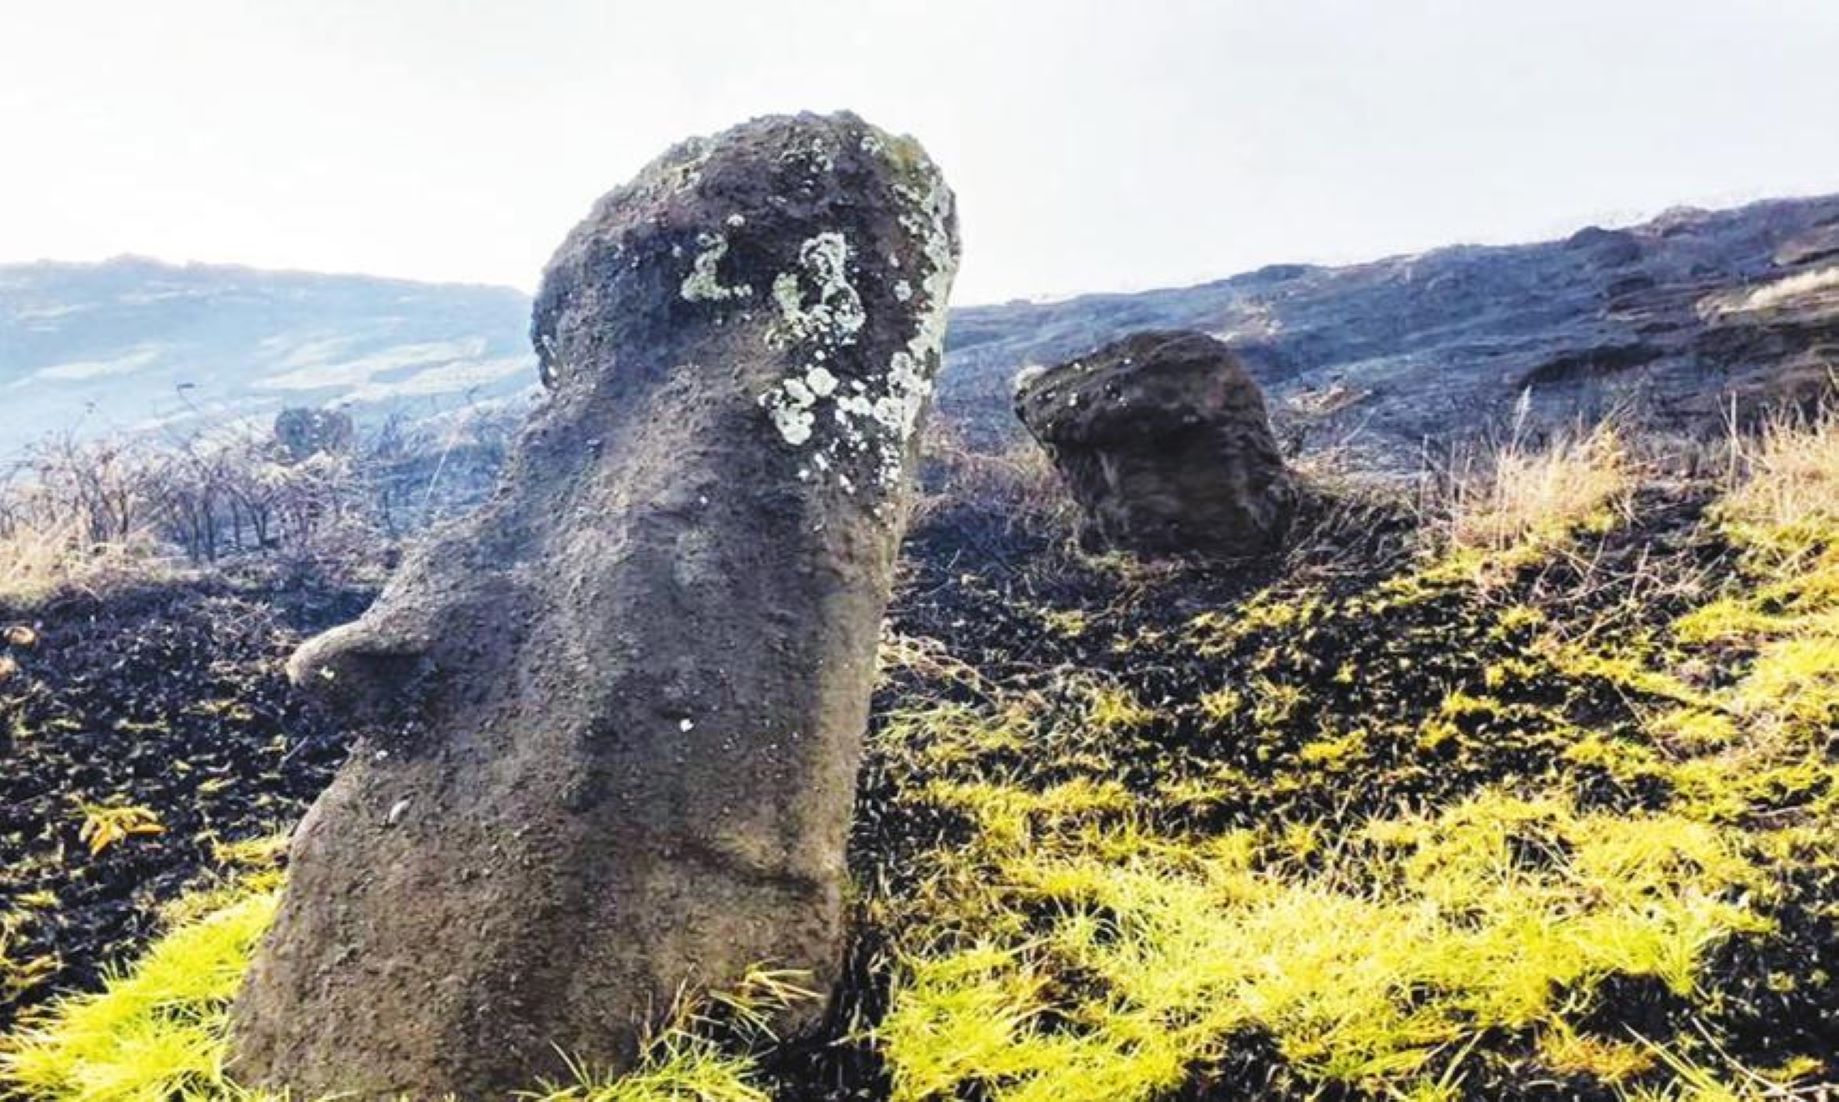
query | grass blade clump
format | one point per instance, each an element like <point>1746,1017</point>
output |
<point>155,1031</point>
<point>160,1029</point>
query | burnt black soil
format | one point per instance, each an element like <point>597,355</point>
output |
<point>168,698</point>
<point>1034,616</point>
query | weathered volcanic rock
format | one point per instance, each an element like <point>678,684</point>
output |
<point>1164,441</point>
<point>304,433</point>
<point>1777,341</point>
<point>620,708</point>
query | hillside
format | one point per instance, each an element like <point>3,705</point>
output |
<point>1668,315</point>
<point>1518,784</point>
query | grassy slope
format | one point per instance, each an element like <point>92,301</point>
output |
<point>1548,814</point>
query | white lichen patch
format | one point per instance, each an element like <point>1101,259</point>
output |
<point>815,150</point>
<point>815,324</point>
<point>820,381</point>
<point>831,319</point>
<point>680,168</point>
<point>909,377</point>
<point>702,284</point>
<point>792,420</point>
<point>870,413</point>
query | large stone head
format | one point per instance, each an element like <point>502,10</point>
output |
<point>617,712</point>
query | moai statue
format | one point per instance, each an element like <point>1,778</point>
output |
<point>613,718</point>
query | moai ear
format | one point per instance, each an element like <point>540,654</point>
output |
<point>366,672</point>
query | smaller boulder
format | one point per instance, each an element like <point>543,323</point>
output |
<point>304,433</point>
<point>1165,443</point>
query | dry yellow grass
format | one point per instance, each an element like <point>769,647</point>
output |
<point>34,560</point>
<point>1786,482</point>
<point>1790,288</point>
<point>38,559</point>
<point>1020,478</point>
<point>49,545</point>
<point>1536,497</point>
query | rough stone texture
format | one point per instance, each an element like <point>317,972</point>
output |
<point>1164,441</point>
<point>1790,324</point>
<point>622,704</point>
<point>304,433</point>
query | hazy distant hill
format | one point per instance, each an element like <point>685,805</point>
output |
<point>1672,315</point>
<point>133,344</point>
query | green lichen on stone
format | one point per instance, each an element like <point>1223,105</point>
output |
<point>703,284</point>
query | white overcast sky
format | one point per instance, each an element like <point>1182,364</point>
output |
<point>1094,145</point>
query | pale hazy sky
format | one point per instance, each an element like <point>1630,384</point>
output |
<point>1094,145</point>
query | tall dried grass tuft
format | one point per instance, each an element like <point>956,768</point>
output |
<point>1536,496</point>
<point>49,545</point>
<point>1784,479</point>
<point>1019,481</point>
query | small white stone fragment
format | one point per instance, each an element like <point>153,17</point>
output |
<point>397,811</point>
<point>686,725</point>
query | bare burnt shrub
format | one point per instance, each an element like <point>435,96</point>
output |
<point>86,514</point>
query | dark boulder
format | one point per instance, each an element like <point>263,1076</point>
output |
<point>1165,443</point>
<point>618,711</point>
<point>304,433</point>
